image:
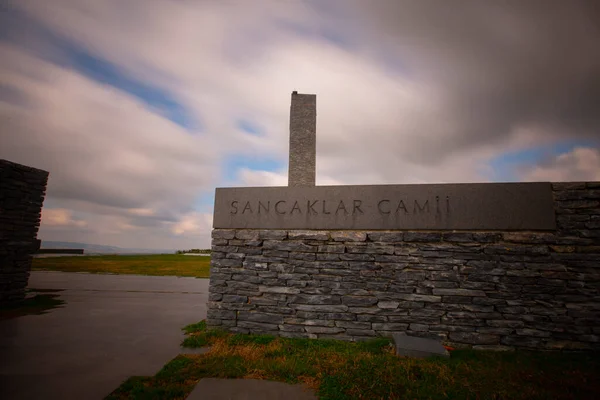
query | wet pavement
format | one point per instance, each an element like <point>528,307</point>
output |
<point>111,327</point>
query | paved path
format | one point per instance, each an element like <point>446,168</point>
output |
<point>111,327</point>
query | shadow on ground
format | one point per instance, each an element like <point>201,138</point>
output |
<point>34,304</point>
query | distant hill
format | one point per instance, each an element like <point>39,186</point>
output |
<point>101,249</point>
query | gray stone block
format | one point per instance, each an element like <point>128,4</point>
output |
<point>388,305</point>
<point>418,327</point>
<point>390,326</point>
<point>371,318</point>
<point>361,334</point>
<point>302,256</point>
<point>276,254</point>
<point>386,236</point>
<point>274,234</point>
<point>256,266</point>
<point>258,327</point>
<point>286,327</point>
<point>223,234</point>
<point>410,346</point>
<point>312,235</point>
<point>279,289</point>
<point>348,236</point>
<point>422,237</point>
<point>295,245</point>
<point>521,341</point>
<point>259,317</point>
<point>246,234</point>
<point>236,256</point>
<point>220,314</point>
<point>353,325</point>
<point>359,301</point>
<point>473,338</point>
<point>458,292</point>
<point>279,309</point>
<point>458,237</point>
<point>310,322</point>
<point>331,248</point>
<point>314,299</point>
<point>326,315</point>
<point>419,297</point>
<point>356,257</point>
<point>321,308</point>
<point>322,329</point>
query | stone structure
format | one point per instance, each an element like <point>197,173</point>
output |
<point>494,266</point>
<point>303,140</point>
<point>22,191</point>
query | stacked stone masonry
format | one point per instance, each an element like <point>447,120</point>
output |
<point>485,290</point>
<point>22,191</point>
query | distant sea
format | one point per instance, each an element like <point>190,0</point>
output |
<point>97,249</point>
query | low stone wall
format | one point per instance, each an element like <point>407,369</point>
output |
<point>22,191</point>
<point>486,290</point>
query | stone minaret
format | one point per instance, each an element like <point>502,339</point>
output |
<point>303,140</point>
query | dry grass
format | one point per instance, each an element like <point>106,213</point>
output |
<point>154,264</point>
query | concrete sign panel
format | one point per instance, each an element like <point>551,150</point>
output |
<point>482,206</point>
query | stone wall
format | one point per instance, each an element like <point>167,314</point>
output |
<point>22,191</point>
<point>486,290</point>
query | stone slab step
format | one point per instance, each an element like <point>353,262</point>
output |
<point>411,346</point>
<point>248,389</point>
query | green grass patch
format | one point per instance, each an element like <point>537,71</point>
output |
<point>235,340</point>
<point>369,370</point>
<point>152,264</point>
<point>197,327</point>
<point>199,336</point>
<point>39,304</point>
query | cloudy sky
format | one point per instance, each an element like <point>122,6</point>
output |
<point>139,109</point>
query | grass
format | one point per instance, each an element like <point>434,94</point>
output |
<point>154,264</point>
<point>39,304</point>
<point>369,370</point>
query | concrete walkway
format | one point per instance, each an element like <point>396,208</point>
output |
<point>111,327</point>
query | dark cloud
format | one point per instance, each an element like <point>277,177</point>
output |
<point>498,65</point>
